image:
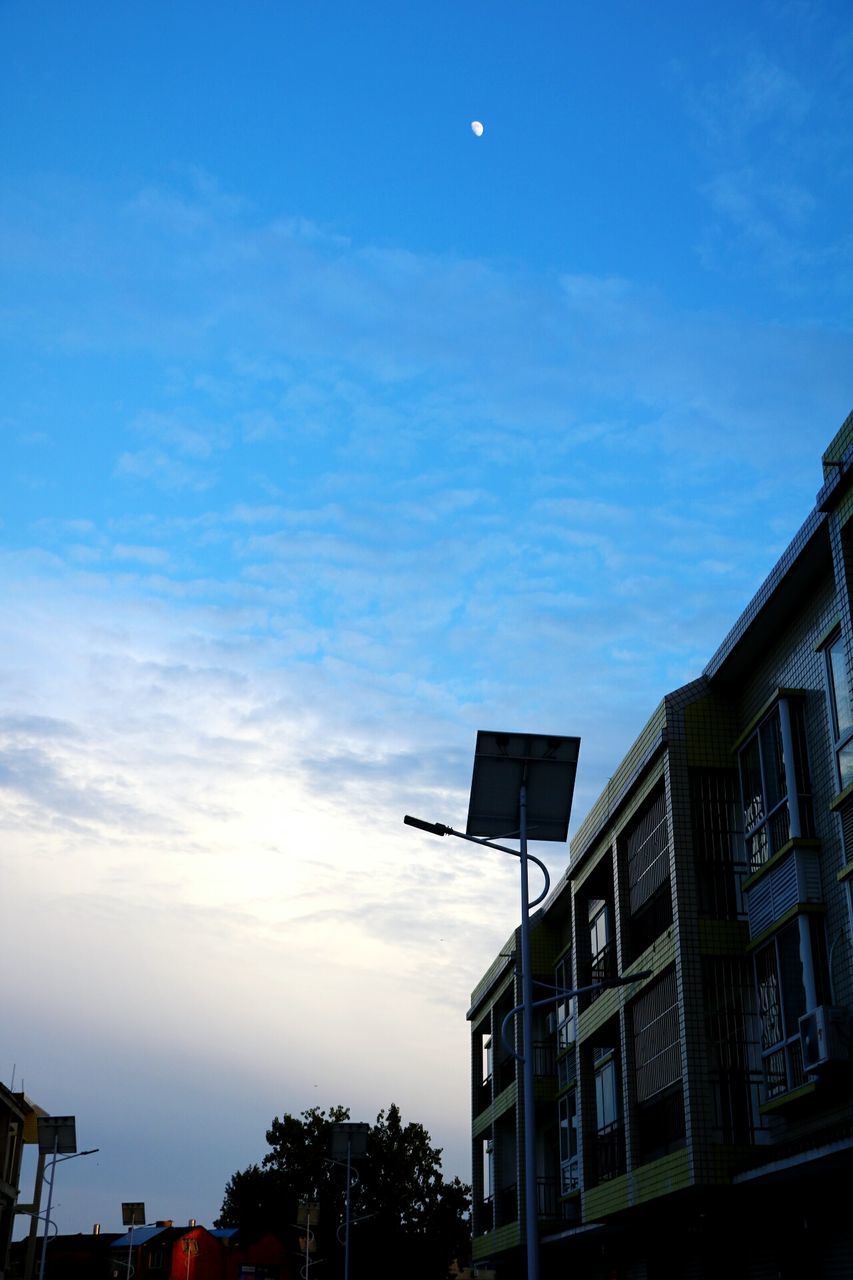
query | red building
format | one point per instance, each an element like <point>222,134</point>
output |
<point>160,1252</point>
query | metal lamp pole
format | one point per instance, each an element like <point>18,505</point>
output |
<point>525,1058</point>
<point>55,1160</point>
<point>349,1142</point>
<point>521,784</point>
<point>528,1004</point>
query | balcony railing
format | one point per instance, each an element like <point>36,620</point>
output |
<point>548,1197</point>
<point>569,1175</point>
<point>609,1152</point>
<point>603,966</point>
<point>544,1058</point>
<point>506,1205</point>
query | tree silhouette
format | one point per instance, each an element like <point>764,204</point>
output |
<point>403,1213</point>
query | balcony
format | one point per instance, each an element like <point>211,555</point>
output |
<point>506,1205</point>
<point>548,1197</point>
<point>482,1096</point>
<point>504,1074</point>
<point>609,1152</point>
<point>484,1216</point>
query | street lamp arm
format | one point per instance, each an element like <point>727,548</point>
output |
<point>439,829</point>
<point>622,981</point>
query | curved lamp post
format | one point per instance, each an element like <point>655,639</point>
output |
<point>349,1142</point>
<point>57,1136</point>
<point>522,786</point>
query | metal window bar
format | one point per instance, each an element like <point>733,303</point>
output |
<point>548,1197</point>
<point>647,850</point>
<point>603,966</point>
<point>718,845</point>
<point>544,1058</point>
<point>569,1175</point>
<point>735,1066</point>
<point>609,1151</point>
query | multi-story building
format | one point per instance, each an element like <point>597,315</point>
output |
<point>699,1121</point>
<point>18,1127</point>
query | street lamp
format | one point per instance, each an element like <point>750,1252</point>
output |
<point>57,1137</point>
<point>133,1215</point>
<point>349,1142</point>
<point>522,785</point>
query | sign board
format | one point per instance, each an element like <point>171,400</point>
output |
<point>133,1213</point>
<point>57,1134</point>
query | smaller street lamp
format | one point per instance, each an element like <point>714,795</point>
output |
<point>57,1137</point>
<point>349,1142</point>
<point>132,1215</point>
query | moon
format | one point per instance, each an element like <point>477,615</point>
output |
<point>477,128</point>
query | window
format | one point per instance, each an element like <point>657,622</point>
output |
<point>598,930</point>
<point>606,1101</point>
<point>841,708</point>
<point>565,1010</point>
<point>734,1058</point>
<point>717,842</point>
<point>775,785</point>
<point>657,1058</point>
<point>646,851</point>
<point>609,1146</point>
<point>781,1003</point>
<point>568,1114</point>
<point>486,1052</point>
<point>601,947</point>
<point>786,989</point>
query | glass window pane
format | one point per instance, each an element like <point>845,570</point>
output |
<point>768,997</point>
<point>772,761</point>
<point>750,778</point>
<point>605,1096</point>
<point>791,968</point>
<point>845,765</point>
<point>841,690</point>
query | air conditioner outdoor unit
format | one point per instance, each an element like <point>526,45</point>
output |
<point>825,1037</point>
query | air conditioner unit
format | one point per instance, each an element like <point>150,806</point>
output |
<point>825,1037</point>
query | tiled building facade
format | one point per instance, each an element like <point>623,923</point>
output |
<point>699,1121</point>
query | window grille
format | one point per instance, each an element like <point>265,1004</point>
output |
<point>734,1060</point>
<point>647,852</point>
<point>657,1047</point>
<point>717,842</point>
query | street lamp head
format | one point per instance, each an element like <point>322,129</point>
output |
<point>435,828</point>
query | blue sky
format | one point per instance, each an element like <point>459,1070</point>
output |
<point>330,434</point>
